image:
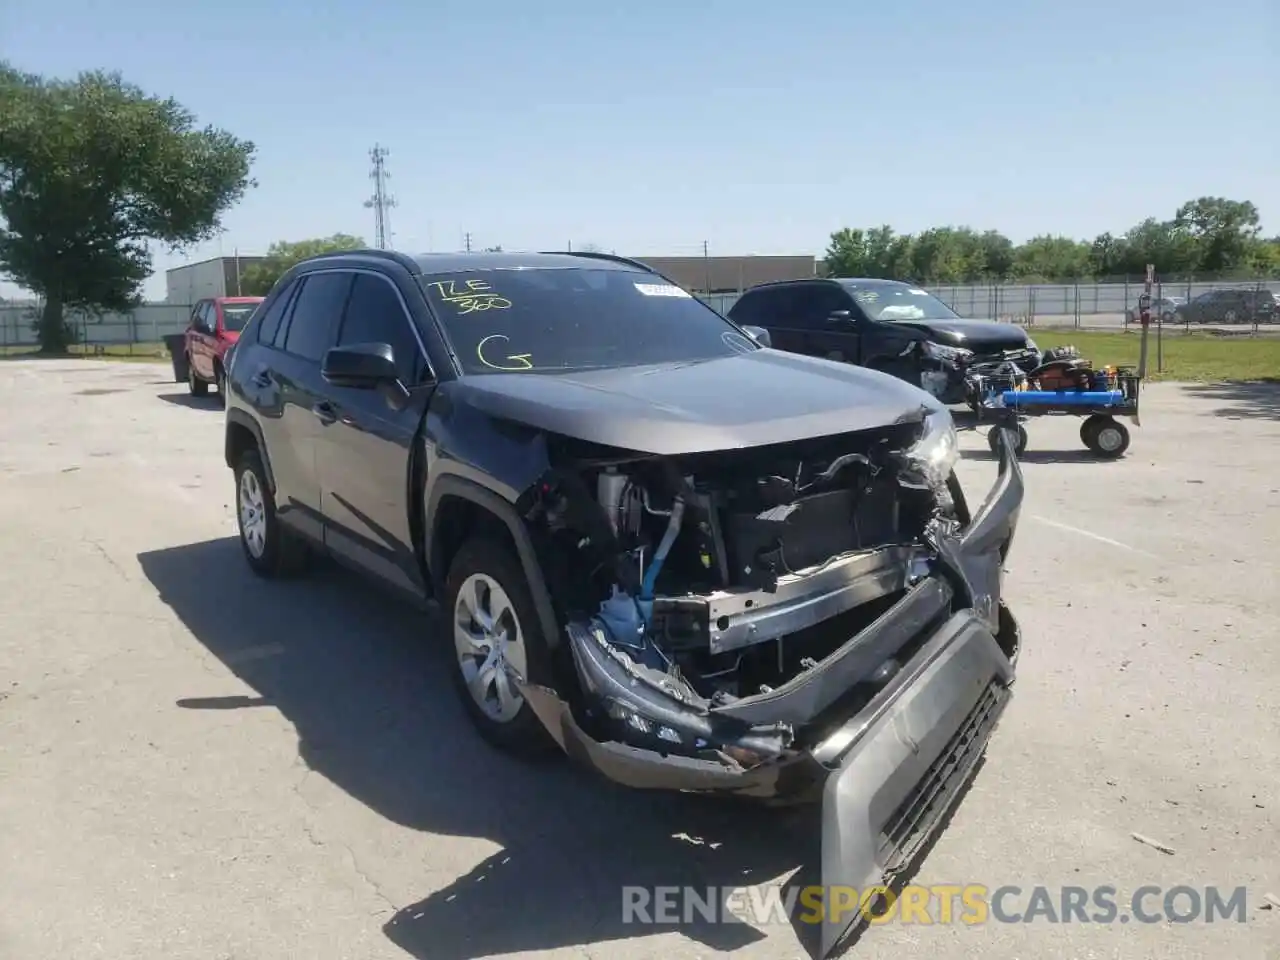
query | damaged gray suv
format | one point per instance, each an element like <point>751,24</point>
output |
<point>687,560</point>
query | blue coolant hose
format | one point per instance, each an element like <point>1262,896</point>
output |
<point>655,565</point>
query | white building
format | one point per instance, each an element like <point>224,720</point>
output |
<point>219,277</point>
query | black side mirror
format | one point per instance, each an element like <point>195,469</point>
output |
<point>840,316</point>
<point>760,335</point>
<point>363,366</point>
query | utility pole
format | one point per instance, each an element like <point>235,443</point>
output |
<point>381,201</point>
<point>466,239</point>
<point>706,262</point>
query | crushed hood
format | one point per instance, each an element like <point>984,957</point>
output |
<point>752,399</point>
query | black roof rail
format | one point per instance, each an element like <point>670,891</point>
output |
<point>614,258</point>
<point>779,283</point>
<point>394,256</point>
<point>596,255</point>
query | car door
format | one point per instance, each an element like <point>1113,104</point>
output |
<point>1237,307</point>
<point>366,447</point>
<point>885,345</point>
<point>201,345</point>
<point>1212,308</point>
<point>774,311</point>
<point>292,379</point>
<point>812,306</point>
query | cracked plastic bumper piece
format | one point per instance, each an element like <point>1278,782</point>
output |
<point>897,766</point>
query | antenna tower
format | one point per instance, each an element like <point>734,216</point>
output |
<point>381,201</point>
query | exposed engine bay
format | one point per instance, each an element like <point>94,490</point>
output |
<point>715,579</point>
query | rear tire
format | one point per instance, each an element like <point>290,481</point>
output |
<point>493,623</point>
<point>197,386</point>
<point>220,380</point>
<point>272,551</point>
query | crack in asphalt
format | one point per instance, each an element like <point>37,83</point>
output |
<point>352,862</point>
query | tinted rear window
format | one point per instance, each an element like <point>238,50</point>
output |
<point>235,316</point>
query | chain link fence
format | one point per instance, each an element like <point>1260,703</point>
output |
<point>1238,306</point>
<point>140,332</point>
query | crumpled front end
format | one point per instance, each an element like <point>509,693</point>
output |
<point>869,679</point>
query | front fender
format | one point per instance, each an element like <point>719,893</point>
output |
<point>455,486</point>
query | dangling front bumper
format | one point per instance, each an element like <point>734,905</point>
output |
<point>887,774</point>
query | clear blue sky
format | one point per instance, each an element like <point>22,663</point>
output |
<point>759,127</point>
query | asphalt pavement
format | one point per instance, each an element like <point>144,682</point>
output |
<point>198,765</point>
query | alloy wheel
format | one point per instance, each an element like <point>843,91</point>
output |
<point>489,642</point>
<point>253,515</point>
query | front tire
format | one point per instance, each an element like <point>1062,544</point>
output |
<point>494,625</point>
<point>272,551</point>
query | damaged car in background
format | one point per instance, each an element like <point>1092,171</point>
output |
<point>688,560</point>
<point>891,326</point>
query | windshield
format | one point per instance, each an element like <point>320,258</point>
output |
<point>552,321</point>
<point>897,301</point>
<point>236,315</point>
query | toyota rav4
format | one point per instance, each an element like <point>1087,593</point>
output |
<point>687,560</point>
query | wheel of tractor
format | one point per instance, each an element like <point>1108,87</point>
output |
<point>1089,426</point>
<point>1108,439</point>
<point>1020,439</point>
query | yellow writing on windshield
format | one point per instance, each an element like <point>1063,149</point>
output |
<point>515,361</point>
<point>469,296</point>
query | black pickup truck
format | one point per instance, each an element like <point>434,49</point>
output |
<point>685,559</point>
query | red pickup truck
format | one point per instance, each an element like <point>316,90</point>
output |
<point>214,328</point>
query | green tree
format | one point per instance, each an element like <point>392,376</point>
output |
<point>93,171</point>
<point>869,253</point>
<point>1107,255</point>
<point>1264,258</point>
<point>1223,230</point>
<point>997,254</point>
<point>1170,247</point>
<point>260,277</point>
<point>1210,236</point>
<point>1045,259</point>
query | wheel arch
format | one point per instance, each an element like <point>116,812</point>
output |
<point>456,509</point>
<point>243,433</point>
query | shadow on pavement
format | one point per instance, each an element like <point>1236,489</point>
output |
<point>1041,456</point>
<point>358,675</point>
<point>1258,400</point>
<point>196,403</point>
